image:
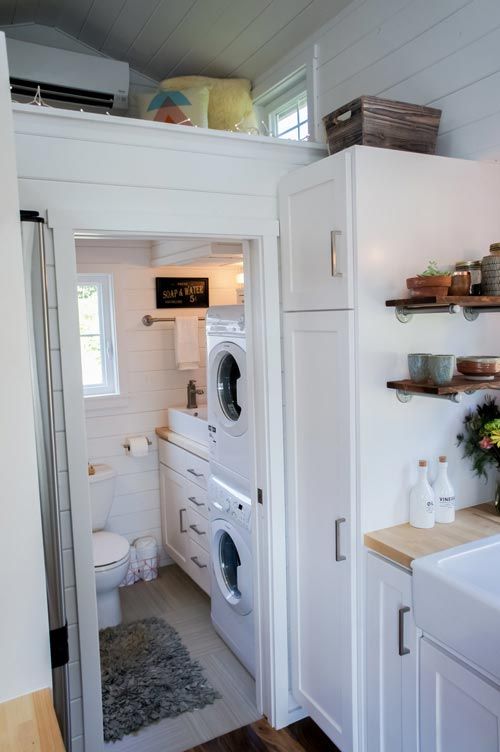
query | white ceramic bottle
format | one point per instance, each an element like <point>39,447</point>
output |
<point>422,499</point>
<point>444,495</point>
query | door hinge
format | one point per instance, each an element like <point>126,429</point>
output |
<point>59,647</point>
<point>260,496</point>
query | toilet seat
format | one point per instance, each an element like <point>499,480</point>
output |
<point>110,550</point>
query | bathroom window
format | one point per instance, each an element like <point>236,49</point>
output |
<point>291,119</point>
<point>97,335</point>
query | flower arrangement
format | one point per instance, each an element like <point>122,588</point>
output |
<point>481,439</point>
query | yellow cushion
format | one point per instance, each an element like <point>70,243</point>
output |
<point>186,106</point>
<point>229,104</point>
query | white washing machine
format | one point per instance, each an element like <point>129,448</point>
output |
<point>232,570</point>
<point>227,391</point>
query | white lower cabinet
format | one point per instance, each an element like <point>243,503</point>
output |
<point>392,647</point>
<point>459,709</point>
<point>185,512</point>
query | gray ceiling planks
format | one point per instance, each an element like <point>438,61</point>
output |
<point>161,38</point>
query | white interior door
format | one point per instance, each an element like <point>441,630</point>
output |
<point>316,236</point>
<point>319,436</point>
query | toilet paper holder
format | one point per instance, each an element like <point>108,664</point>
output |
<point>126,446</point>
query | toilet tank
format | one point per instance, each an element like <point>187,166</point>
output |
<point>102,491</point>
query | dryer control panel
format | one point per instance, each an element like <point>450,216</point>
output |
<point>230,502</point>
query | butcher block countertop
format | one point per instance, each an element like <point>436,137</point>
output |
<point>201,450</point>
<point>403,543</point>
<point>28,724</point>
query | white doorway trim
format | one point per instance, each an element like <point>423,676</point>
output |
<point>262,297</point>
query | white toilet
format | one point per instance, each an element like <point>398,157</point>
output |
<point>111,551</point>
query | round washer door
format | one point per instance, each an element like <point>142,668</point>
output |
<point>228,387</point>
<point>232,565</point>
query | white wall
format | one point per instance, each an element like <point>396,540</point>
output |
<point>24,636</point>
<point>150,381</point>
<point>442,53</point>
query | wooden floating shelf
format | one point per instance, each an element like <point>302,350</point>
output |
<point>406,388</point>
<point>466,301</point>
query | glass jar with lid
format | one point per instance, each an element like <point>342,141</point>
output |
<point>474,267</point>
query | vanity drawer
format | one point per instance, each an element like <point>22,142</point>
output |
<point>198,565</point>
<point>198,528</point>
<point>187,464</point>
<point>197,499</point>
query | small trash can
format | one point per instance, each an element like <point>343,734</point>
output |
<point>147,558</point>
<point>132,575</point>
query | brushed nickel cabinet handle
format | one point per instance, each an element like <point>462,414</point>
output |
<point>194,559</point>
<point>195,529</point>
<point>338,555</point>
<point>193,472</point>
<point>195,501</point>
<point>401,630</point>
<point>181,521</point>
<point>333,252</point>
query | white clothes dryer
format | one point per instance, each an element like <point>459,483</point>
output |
<point>232,570</point>
<point>227,389</point>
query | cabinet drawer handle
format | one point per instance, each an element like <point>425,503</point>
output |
<point>195,529</point>
<point>195,501</point>
<point>193,472</point>
<point>401,630</point>
<point>333,252</point>
<point>181,521</point>
<point>338,555</point>
<point>194,559</point>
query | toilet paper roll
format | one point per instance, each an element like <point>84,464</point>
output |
<point>138,446</point>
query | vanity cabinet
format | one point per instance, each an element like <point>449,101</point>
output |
<point>459,709</point>
<point>392,659</point>
<point>315,207</point>
<point>185,511</point>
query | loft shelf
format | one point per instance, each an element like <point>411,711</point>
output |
<point>406,389</point>
<point>472,305</point>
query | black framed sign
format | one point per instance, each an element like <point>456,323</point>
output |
<point>182,292</point>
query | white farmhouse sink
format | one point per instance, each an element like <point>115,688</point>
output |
<point>456,599</point>
<point>192,424</point>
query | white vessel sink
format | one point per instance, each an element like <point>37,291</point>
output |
<point>192,424</point>
<point>456,599</point>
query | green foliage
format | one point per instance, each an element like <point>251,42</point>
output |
<point>433,270</point>
<point>479,426</point>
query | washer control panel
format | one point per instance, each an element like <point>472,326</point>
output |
<point>231,502</point>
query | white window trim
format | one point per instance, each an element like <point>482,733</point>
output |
<point>95,396</point>
<point>291,97</point>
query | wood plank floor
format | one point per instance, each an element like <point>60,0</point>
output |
<point>303,736</point>
<point>175,598</point>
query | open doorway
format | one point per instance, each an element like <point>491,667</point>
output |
<point>179,508</point>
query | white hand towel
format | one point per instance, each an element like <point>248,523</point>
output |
<point>187,346</point>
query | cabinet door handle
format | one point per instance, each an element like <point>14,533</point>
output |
<point>401,630</point>
<point>181,521</point>
<point>193,472</point>
<point>195,528</point>
<point>333,252</point>
<point>195,501</point>
<point>194,559</point>
<point>338,555</point>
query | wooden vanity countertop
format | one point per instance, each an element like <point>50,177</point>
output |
<point>29,724</point>
<point>403,543</point>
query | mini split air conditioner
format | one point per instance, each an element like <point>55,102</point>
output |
<point>79,81</point>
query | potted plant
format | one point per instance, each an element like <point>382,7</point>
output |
<point>481,440</point>
<point>432,281</point>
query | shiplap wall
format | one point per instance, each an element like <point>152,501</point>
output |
<point>442,53</point>
<point>150,381</point>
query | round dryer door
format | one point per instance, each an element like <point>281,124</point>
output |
<point>232,563</point>
<point>228,381</point>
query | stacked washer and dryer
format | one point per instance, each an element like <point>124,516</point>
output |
<point>229,487</point>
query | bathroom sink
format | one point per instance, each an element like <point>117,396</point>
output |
<point>456,599</point>
<point>191,423</point>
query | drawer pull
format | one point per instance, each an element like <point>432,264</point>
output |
<point>193,472</point>
<point>195,529</point>
<point>195,501</point>
<point>194,559</point>
<point>338,555</point>
<point>401,630</point>
<point>181,521</point>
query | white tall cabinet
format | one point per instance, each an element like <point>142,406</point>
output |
<point>320,427</point>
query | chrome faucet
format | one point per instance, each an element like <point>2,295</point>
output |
<point>192,391</point>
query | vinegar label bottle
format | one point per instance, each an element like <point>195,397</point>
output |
<point>444,495</point>
<point>422,499</point>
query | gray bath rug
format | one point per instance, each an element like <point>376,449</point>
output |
<point>147,674</point>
